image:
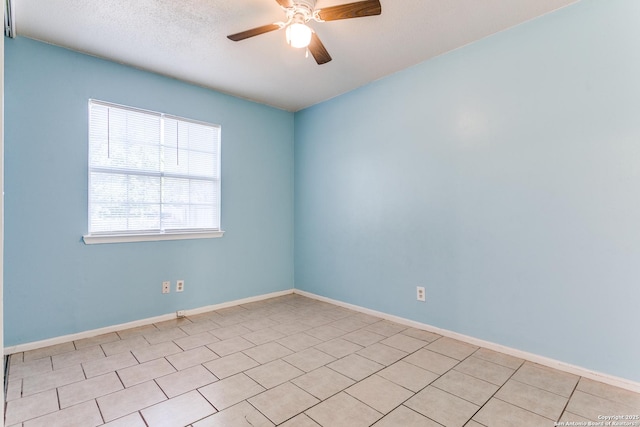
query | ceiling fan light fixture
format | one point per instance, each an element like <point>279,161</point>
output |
<point>298,35</point>
<point>300,12</point>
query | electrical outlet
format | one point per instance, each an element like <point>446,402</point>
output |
<point>180,314</point>
<point>180,286</point>
<point>420,293</point>
<point>166,287</point>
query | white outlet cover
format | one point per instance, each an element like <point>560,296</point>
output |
<point>420,293</point>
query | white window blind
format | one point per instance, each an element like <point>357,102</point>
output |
<point>151,173</point>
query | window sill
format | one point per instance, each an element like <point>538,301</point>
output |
<point>130,238</point>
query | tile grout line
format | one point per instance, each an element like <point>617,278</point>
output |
<point>431,383</point>
<point>525,409</point>
<point>569,399</point>
<point>100,411</point>
<point>265,415</point>
<point>548,391</point>
<point>494,393</point>
<point>7,360</point>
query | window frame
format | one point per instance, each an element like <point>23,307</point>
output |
<point>152,235</point>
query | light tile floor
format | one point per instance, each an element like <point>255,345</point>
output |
<point>295,362</point>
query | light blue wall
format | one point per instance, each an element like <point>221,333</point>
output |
<point>503,176</point>
<point>54,284</point>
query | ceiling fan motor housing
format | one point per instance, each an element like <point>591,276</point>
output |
<point>302,8</point>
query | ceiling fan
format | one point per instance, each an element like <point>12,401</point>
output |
<point>299,12</point>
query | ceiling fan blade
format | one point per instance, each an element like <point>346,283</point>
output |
<point>254,32</point>
<point>318,50</point>
<point>285,3</point>
<point>350,10</point>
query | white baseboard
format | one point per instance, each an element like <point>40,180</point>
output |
<point>545,361</point>
<point>142,322</point>
<point>541,360</point>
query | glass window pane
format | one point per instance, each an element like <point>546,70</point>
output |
<point>149,172</point>
<point>175,190</point>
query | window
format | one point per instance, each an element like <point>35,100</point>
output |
<point>151,176</point>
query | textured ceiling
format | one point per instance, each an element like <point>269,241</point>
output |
<point>187,40</point>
